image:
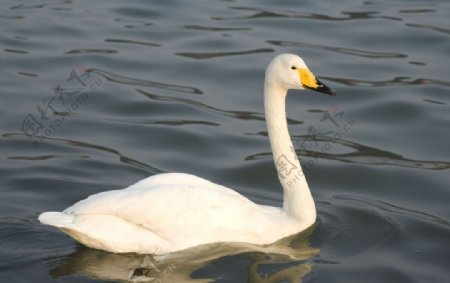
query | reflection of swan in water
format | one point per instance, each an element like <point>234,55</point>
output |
<point>286,260</point>
<point>171,212</point>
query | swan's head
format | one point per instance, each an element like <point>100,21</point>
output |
<point>289,71</point>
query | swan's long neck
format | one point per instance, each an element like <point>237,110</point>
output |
<point>298,201</point>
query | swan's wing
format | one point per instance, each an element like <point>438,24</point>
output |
<point>148,191</point>
<point>180,207</point>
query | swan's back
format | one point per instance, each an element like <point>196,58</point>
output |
<point>169,211</point>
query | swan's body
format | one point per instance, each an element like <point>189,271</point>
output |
<point>174,211</point>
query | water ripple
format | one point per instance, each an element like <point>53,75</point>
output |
<point>434,101</point>
<point>28,74</point>
<point>388,207</point>
<point>139,82</point>
<point>204,107</point>
<point>73,143</point>
<point>342,50</point>
<point>209,55</point>
<point>345,230</point>
<point>215,29</point>
<point>429,27</point>
<point>115,40</point>
<point>415,11</point>
<point>46,157</point>
<point>39,6</point>
<point>241,115</point>
<point>16,51</point>
<point>10,17</point>
<point>135,23</point>
<point>91,50</point>
<point>262,13</point>
<point>362,154</point>
<point>166,121</point>
<point>402,81</point>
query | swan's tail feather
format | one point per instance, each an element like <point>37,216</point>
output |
<point>65,223</point>
<point>57,219</point>
<point>106,232</point>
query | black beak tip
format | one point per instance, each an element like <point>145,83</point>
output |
<point>324,89</point>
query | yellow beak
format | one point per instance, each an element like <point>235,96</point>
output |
<point>309,81</point>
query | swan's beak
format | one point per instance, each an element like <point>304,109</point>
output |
<point>309,81</point>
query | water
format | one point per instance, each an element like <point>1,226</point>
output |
<point>177,87</point>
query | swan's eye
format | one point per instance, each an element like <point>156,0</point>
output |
<point>294,68</point>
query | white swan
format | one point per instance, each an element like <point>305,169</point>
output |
<point>174,211</point>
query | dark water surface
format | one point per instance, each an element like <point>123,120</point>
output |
<point>96,95</point>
